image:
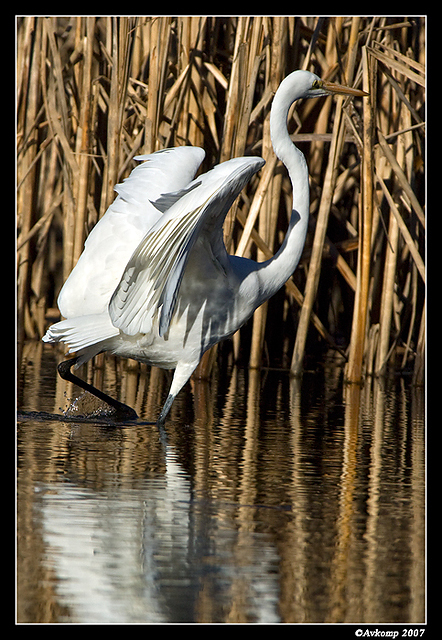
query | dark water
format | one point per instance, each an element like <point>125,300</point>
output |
<point>273,501</point>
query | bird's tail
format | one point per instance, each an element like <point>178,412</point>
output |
<point>85,335</point>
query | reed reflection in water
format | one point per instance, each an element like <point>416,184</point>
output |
<point>274,500</point>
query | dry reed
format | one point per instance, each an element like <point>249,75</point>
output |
<point>93,92</point>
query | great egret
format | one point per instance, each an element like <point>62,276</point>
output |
<point>155,282</point>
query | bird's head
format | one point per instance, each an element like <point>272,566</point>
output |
<point>309,85</point>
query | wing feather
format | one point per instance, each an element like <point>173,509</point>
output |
<point>117,234</point>
<point>148,289</point>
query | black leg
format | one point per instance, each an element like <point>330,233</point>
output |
<point>165,410</point>
<point>162,419</point>
<point>122,411</point>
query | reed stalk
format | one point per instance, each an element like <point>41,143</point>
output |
<point>31,38</point>
<point>270,205</point>
<point>83,139</point>
<point>354,371</point>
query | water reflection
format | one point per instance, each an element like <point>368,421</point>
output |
<point>273,501</point>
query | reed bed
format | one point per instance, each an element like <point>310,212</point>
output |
<point>93,92</point>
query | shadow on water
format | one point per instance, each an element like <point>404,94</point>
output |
<point>272,500</point>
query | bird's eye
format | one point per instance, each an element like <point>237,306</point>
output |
<point>317,84</point>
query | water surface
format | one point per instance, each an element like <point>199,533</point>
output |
<point>272,501</point>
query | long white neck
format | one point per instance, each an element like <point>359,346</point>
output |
<point>275,272</point>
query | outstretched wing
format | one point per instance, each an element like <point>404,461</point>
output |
<point>148,289</point>
<point>117,234</point>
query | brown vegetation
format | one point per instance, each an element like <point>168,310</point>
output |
<point>93,92</point>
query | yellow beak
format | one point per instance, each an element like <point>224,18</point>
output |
<point>331,87</point>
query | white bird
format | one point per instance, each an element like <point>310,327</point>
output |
<point>155,282</point>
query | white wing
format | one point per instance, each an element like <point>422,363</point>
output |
<point>115,237</point>
<point>151,280</point>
